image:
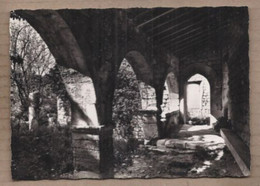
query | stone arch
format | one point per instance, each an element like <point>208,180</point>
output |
<point>63,45</point>
<point>211,76</point>
<point>140,66</point>
<point>136,101</point>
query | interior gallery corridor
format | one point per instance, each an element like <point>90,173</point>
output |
<point>161,92</point>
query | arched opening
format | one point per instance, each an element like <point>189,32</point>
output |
<point>133,100</point>
<point>134,114</point>
<point>215,90</point>
<point>198,100</point>
<point>41,108</point>
<point>126,103</point>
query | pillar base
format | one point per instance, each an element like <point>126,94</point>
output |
<point>93,151</point>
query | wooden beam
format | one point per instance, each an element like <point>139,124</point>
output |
<point>196,24</point>
<point>170,40</point>
<point>190,36</point>
<point>200,35</point>
<point>153,19</point>
<point>171,20</point>
<point>191,44</point>
<point>142,14</point>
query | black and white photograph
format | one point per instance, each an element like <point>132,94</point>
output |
<point>129,93</point>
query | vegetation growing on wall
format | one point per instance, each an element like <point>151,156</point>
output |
<point>126,103</point>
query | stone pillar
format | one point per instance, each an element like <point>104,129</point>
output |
<point>34,99</point>
<point>93,151</point>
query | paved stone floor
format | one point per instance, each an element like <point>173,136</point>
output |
<point>193,151</point>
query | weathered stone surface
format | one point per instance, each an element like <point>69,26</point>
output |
<point>148,97</point>
<point>81,90</point>
<point>148,122</point>
<point>93,150</point>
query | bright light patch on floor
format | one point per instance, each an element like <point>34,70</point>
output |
<point>206,164</point>
<point>220,155</point>
<point>199,127</point>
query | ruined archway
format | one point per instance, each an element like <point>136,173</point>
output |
<point>134,106</point>
<point>140,66</point>
<point>215,89</point>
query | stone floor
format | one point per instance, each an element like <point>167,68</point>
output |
<point>193,151</point>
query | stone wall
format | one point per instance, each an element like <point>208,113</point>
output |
<point>148,97</point>
<point>236,62</point>
<point>239,92</point>
<point>146,128</point>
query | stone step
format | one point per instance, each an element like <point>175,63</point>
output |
<point>239,150</point>
<point>208,142</point>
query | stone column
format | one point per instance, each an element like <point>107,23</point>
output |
<point>34,99</point>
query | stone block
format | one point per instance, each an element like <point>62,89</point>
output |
<point>150,131</point>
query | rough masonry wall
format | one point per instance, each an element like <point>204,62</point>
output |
<point>239,92</point>
<point>235,55</point>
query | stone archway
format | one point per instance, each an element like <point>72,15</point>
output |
<point>215,89</point>
<point>134,107</point>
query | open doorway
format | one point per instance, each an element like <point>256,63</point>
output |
<point>198,100</point>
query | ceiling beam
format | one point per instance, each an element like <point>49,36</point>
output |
<point>199,40</point>
<point>190,36</point>
<point>153,19</point>
<point>196,44</point>
<point>142,14</point>
<point>179,30</point>
<point>171,20</point>
<point>170,40</point>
